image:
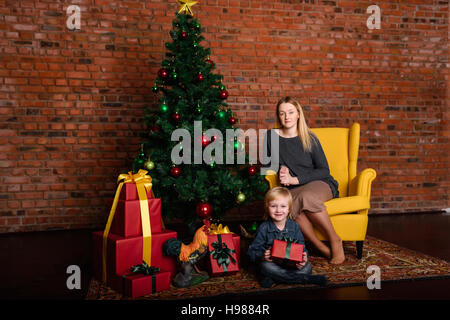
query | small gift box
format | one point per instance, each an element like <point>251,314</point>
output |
<point>127,219</point>
<point>219,229</point>
<point>145,280</point>
<point>287,252</point>
<point>129,192</point>
<point>222,254</point>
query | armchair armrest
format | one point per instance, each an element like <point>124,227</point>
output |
<point>363,183</point>
<point>272,178</point>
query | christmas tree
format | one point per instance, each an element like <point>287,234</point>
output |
<point>191,93</point>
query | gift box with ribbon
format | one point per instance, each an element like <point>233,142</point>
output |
<point>287,252</point>
<point>127,219</point>
<point>219,229</point>
<point>122,253</point>
<point>133,234</point>
<point>145,280</point>
<point>222,254</point>
<point>129,191</point>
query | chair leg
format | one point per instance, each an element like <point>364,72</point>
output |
<point>359,249</point>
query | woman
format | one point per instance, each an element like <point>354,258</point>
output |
<point>304,171</point>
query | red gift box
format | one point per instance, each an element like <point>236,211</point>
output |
<point>127,219</point>
<point>129,192</point>
<point>221,247</point>
<point>287,252</point>
<point>123,253</point>
<point>138,285</point>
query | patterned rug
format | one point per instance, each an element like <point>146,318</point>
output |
<point>396,263</point>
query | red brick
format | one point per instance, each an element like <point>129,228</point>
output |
<point>392,83</point>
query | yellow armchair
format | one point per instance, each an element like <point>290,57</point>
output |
<point>349,212</point>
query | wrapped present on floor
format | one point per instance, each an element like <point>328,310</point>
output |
<point>287,252</point>
<point>139,238</point>
<point>123,253</point>
<point>144,280</point>
<point>222,254</point>
<point>219,229</point>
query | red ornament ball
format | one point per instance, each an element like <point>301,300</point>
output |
<point>183,35</point>
<point>251,170</point>
<point>200,77</point>
<point>232,120</point>
<point>162,73</point>
<point>205,141</point>
<point>176,116</point>
<point>203,210</point>
<point>223,94</point>
<point>175,172</point>
<point>210,62</point>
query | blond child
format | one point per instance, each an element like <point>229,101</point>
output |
<point>278,225</point>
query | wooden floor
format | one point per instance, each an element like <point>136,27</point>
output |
<point>33,265</point>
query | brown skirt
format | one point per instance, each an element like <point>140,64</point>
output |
<point>310,197</point>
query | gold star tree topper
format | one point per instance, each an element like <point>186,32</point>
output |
<point>186,6</point>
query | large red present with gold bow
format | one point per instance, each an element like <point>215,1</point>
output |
<point>123,253</point>
<point>133,233</point>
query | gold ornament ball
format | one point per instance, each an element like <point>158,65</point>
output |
<point>240,197</point>
<point>149,165</point>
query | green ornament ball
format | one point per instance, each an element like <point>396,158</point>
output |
<point>254,227</point>
<point>163,107</point>
<point>240,197</point>
<point>149,165</point>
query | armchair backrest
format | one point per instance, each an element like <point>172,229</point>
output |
<point>341,146</point>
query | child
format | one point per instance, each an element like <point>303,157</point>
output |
<point>278,206</point>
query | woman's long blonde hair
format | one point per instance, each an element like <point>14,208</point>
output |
<point>305,134</point>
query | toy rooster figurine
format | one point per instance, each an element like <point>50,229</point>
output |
<point>187,256</point>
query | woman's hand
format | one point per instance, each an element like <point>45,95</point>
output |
<point>267,255</point>
<point>304,261</point>
<point>286,178</point>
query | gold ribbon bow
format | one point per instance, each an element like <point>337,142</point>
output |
<point>143,184</point>
<point>218,229</point>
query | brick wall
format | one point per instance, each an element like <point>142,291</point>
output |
<point>71,102</point>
